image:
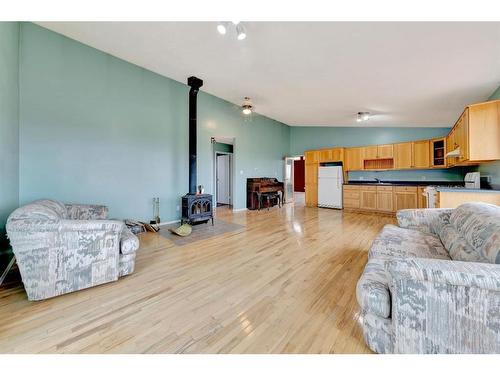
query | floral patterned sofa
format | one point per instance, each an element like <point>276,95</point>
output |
<point>63,248</point>
<point>432,285</point>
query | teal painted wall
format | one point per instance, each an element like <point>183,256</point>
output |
<point>495,95</point>
<point>304,138</point>
<point>96,129</point>
<point>9,126</point>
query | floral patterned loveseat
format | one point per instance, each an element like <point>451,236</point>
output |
<point>432,285</point>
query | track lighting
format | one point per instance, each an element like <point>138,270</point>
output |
<point>223,27</point>
<point>240,32</point>
<point>247,106</point>
<point>363,116</point>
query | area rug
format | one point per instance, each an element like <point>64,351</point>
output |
<point>200,232</point>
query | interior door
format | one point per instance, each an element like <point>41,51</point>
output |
<point>223,178</point>
<point>288,180</point>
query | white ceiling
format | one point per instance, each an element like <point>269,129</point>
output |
<point>311,73</point>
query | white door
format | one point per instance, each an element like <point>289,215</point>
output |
<point>288,180</point>
<point>223,177</point>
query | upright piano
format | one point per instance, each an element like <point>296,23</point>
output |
<point>262,186</point>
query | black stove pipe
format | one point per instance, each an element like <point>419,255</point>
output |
<point>195,84</point>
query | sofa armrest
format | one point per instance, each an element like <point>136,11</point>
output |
<point>86,211</point>
<point>444,306</point>
<point>425,220</point>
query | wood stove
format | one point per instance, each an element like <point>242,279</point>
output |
<point>196,208</point>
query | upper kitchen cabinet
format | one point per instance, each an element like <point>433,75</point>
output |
<point>354,159</point>
<point>331,154</point>
<point>437,151</point>
<point>312,156</point>
<point>410,155</point>
<point>378,152</point>
<point>476,135</point>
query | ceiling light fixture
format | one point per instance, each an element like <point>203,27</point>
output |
<point>240,32</point>
<point>221,28</point>
<point>363,116</point>
<point>247,106</point>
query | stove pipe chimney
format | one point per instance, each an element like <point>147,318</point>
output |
<point>195,84</point>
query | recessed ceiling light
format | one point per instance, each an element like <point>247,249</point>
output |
<point>363,116</point>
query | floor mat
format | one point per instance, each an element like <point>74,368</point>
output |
<point>200,231</point>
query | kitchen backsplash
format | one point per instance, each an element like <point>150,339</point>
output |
<point>451,174</point>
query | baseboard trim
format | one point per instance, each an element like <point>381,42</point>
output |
<point>239,209</point>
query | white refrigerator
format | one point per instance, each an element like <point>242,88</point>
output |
<point>330,181</point>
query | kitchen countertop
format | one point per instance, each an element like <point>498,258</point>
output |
<point>445,189</point>
<point>406,183</point>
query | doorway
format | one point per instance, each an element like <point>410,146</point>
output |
<point>223,172</point>
<point>294,179</point>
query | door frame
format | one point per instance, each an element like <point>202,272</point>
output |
<point>230,175</point>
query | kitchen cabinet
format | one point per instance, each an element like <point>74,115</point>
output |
<point>437,152</point>
<point>421,155</point>
<point>385,201</point>
<point>378,152</point>
<point>410,155</point>
<point>311,184</point>
<point>369,152</point>
<point>353,159</point>
<point>330,155</point>
<point>311,156</point>
<point>405,197</point>
<point>351,196</point>
<point>368,195</point>
<point>385,151</point>
<point>403,158</point>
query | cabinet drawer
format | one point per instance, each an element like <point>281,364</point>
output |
<point>412,189</point>
<point>384,188</point>
<point>351,203</point>
<point>351,194</point>
<point>351,187</point>
<point>369,188</point>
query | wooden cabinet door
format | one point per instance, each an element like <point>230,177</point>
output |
<point>368,200</point>
<point>450,146</point>
<point>483,121</point>
<point>370,152</point>
<point>338,154</point>
<point>311,184</point>
<point>353,159</point>
<point>421,156</point>
<point>311,156</point>
<point>385,201</point>
<point>385,151</point>
<point>325,155</point>
<point>404,200</point>
<point>403,155</point>
<point>462,136</point>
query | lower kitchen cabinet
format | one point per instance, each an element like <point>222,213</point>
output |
<point>383,199</point>
<point>405,197</point>
<point>368,198</point>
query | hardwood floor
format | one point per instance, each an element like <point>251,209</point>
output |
<point>283,284</point>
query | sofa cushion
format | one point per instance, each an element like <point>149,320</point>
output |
<point>372,290</point>
<point>403,243</point>
<point>479,225</point>
<point>457,246</point>
<point>129,243</point>
<point>44,209</point>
